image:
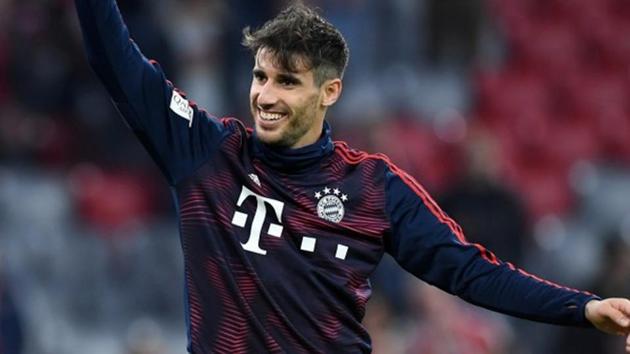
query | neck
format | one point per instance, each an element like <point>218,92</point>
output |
<point>296,159</point>
<point>310,137</point>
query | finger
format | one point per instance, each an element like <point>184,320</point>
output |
<point>619,317</point>
<point>623,305</point>
<point>628,344</point>
<point>623,321</point>
<point>618,320</point>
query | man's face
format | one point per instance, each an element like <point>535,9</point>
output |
<point>286,106</point>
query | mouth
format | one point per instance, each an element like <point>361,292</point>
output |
<point>269,120</point>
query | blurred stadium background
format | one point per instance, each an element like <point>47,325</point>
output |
<point>514,114</point>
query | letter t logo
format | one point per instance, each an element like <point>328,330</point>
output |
<point>240,220</point>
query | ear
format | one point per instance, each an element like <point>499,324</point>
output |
<point>331,90</point>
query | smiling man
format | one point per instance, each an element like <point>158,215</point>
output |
<point>295,79</point>
<point>289,107</point>
<point>281,227</point>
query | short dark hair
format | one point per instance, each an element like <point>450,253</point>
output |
<point>299,33</point>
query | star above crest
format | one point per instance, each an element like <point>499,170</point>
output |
<point>327,191</point>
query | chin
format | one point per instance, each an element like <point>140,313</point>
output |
<point>269,138</point>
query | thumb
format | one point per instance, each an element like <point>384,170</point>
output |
<point>622,315</point>
<point>617,316</point>
<point>620,318</point>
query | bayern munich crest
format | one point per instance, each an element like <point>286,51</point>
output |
<point>330,206</point>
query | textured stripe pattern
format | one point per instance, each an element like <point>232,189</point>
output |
<point>288,300</point>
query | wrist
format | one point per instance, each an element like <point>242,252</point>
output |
<point>589,309</point>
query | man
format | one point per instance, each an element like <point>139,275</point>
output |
<point>280,226</point>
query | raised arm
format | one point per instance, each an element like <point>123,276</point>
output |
<point>176,133</point>
<point>112,53</point>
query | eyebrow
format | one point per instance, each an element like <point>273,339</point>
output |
<point>289,77</point>
<point>281,76</point>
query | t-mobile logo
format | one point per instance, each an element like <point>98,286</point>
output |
<point>240,219</point>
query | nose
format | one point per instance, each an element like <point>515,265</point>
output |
<point>267,96</point>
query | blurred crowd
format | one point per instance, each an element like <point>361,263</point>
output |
<point>512,113</point>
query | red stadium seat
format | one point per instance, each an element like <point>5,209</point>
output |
<point>613,132</point>
<point>111,201</point>
<point>505,94</point>
<point>620,9</point>
<point>565,95</point>
<point>417,150</point>
<point>545,190</point>
<point>572,140</point>
<point>615,46</point>
<point>550,49</point>
<point>578,10</point>
<point>591,93</point>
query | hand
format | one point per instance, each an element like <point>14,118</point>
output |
<point>611,316</point>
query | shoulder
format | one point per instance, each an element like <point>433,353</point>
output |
<point>234,129</point>
<point>356,157</point>
<point>382,169</point>
<point>234,124</point>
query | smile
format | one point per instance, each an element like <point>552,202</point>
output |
<point>269,116</point>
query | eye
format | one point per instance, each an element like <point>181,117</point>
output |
<point>288,81</point>
<point>259,77</point>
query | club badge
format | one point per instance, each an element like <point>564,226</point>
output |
<point>330,204</point>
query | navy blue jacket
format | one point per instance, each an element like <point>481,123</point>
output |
<point>279,243</point>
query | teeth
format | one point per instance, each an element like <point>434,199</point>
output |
<point>270,116</point>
